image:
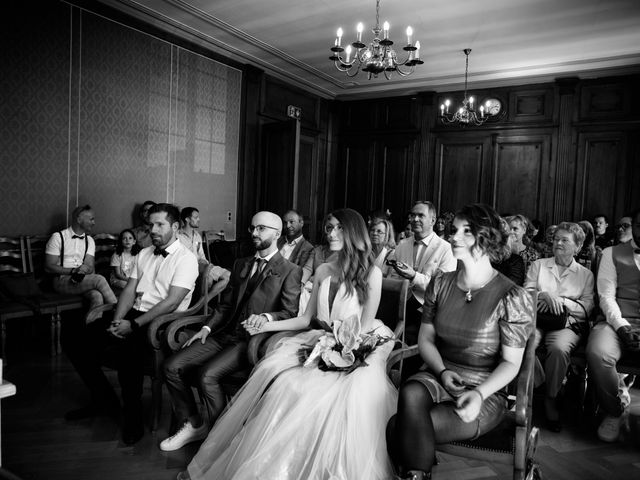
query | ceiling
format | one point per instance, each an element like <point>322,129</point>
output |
<point>513,41</point>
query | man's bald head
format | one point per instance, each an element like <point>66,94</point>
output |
<point>268,219</point>
<point>265,236</point>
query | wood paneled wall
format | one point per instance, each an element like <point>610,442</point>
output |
<point>559,151</point>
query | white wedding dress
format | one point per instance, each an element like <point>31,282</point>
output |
<point>290,422</point>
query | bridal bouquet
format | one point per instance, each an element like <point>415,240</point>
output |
<point>343,348</point>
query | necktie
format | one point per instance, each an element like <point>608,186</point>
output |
<point>160,251</point>
<point>418,248</point>
<point>259,262</point>
<point>81,237</point>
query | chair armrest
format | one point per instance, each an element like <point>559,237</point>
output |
<point>96,312</point>
<point>397,356</point>
<point>524,387</point>
<point>155,331</point>
<point>398,332</point>
<point>176,326</point>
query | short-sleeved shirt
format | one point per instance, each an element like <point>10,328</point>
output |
<point>156,274</point>
<point>194,243</point>
<point>74,248</point>
<point>124,261</point>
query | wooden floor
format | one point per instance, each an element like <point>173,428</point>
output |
<point>37,443</point>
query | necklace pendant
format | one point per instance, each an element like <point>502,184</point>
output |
<point>467,296</point>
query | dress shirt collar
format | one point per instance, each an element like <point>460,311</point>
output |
<point>294,242</point>
<point>426,240</point>
<point>268,257</point>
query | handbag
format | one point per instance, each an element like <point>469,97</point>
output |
<point>548,321</point>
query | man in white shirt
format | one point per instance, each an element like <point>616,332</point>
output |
<point>623,230</point>
<point>189,234</point>
<point>619,291</point>
<point>292,244</point>
<point>69,257</point>
<point>162,281</point>
<point>417,259</point>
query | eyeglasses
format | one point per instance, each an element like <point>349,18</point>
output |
<point>328,228</point>
<point>260,228</point>
<point>623,226</point>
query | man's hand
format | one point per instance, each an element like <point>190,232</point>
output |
<point>630,337</point>
<point>202,335</point>
<point>553,303</point>
<point>120,328</point>
<point>253,325</point>
<point>404,270</point>
<point>85,269</point>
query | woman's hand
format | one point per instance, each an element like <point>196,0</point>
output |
<point>452,382</point>
<point>469,405</point>
<point>549,302</point>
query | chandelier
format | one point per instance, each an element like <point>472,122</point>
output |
<point>378,57</point>
<point>466,114</point>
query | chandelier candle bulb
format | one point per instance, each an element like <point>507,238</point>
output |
<point>481,111</point>
<point>471,102</point>
<point>416,55</point>
<point>348,50</point>
<point>385,29</point>
<point>447,103</point>
<point>409,34</point>
<point>339,37</point>
<point>359,29</point>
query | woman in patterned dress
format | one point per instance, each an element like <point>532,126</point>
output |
<point>475,326</point>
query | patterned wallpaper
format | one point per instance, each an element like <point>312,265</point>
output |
<point>95,112</point>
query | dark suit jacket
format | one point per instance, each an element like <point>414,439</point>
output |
<point>300,253</point>
<point>277,293</point>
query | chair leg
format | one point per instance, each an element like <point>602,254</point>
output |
<point>156,402</point>
<point>3,341</point>
<point>58,330</point>
<point>52,327</point>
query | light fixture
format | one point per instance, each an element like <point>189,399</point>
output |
<point>467,114</point>
<point>378,57</point>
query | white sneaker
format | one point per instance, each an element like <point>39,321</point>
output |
<point>186,434</point>
<point>609,429</point>
<point>624,396</point>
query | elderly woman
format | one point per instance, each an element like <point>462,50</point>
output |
<point>475,326</point>
<point>561,283</point>
<point>382,237</point>
<point>520,227</point>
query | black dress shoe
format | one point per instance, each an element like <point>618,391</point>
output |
<point>132,432</point>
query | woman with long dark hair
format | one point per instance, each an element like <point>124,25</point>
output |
<point>307,412</point>
<point>475,326</point>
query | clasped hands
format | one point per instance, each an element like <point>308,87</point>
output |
<point>468,400</point>
<point>253,325</point>
<point>120,328</point>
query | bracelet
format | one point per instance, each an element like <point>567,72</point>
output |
<point>479,393</point>
<point>207,327</point>
<point>440,374</point>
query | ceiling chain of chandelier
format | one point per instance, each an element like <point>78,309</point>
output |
<point>467,113</point>
<point>378,57</point>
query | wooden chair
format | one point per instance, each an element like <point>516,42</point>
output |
<point>52,303</point>
<point>12,261</point>
<point>514,440</point>
<point>156,333</point>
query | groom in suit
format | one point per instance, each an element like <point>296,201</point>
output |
<point>418,258</point>
<point>263,288</point>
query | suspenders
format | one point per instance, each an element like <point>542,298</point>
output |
<point>86,247</point>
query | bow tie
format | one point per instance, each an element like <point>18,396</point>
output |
<point>81,237</point>
<point>160,251</point>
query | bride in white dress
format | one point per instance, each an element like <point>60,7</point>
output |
<point>291,421</point>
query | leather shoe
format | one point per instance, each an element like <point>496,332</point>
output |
<point>132,432</point>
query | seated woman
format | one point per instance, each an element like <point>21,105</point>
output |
<point>295,420</point>
<point>587,254</point>
<point>520,227</point>
<point>561,282</point>
<point>475,326</point>
<point>382,238</point>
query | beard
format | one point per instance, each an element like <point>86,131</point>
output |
<point>262,244</point>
